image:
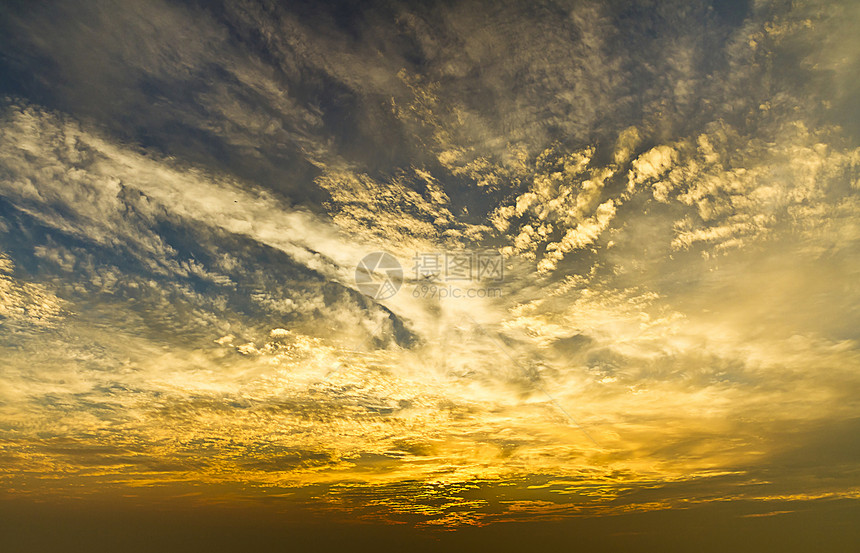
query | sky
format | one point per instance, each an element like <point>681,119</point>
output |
<point>618,309</point>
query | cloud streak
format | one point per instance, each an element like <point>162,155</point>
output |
<point>674,190</point>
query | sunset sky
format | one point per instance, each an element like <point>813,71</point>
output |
<point>656,346</point>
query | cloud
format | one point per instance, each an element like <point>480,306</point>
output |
<point>25,302</point>
<point>379,212</point>
<point>651,165</point>
<point>96,182</point>
<point>672,188</point>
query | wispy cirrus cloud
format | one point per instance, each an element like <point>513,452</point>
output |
<point>674,189</point>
